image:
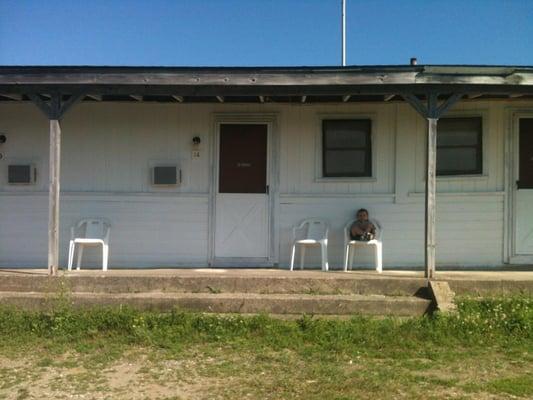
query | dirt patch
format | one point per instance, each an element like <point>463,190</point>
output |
<point>136,378</point>
<point>222,373</point>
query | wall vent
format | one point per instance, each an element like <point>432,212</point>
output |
<point>21,174</point>
<point>166,175</point>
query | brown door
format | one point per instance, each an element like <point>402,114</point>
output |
<point>242,200</point>
<point>525,163</point>
<point>243,158</point>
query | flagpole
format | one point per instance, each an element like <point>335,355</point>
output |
<point>343,33</point>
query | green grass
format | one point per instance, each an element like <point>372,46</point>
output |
<point>483,350</point>
<point>518,386</point>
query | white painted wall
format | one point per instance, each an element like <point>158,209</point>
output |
<point>108,149</point>
<point>147,230</point>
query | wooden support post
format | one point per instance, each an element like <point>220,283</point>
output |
<point>53,203</point>
<point>431,112</point>
<point>431,190</point>
<point>54,111</point>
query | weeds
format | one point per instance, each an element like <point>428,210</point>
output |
<point>476,323</point>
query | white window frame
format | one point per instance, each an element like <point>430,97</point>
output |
<point>484,175</point>
<point>319,173</point>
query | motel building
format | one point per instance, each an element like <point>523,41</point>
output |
<point>213,167</point>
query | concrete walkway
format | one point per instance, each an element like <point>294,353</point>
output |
<point>524,274</point>
<point>488,282</point>
<point>273,291</point>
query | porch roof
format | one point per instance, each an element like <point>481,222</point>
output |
<point>263,84</point>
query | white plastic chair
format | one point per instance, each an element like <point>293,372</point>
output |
<point>89,232</point>
<point>350,245</point>
<point>311,232</point>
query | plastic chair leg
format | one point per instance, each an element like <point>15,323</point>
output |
<point>346,255</point>
<point>70,254</point>
<point>293,252</point>
<point>379,257</point>
<point>80,255</point>
<point>105,256</point>
<point>352,255</point>
<point>324,252</point>
<point>302,256</point>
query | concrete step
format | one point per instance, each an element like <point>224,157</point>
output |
<point>246,303</point>
<point>283,282</point>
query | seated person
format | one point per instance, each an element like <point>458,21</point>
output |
<point>362,229</point>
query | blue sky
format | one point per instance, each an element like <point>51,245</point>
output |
<point>264,32</point>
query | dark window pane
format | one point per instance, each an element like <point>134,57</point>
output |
<point>458,131</point>
<point>459,146</point>
<point>457,161</point>
<point>346,163</point>
<point>346,133</point>
<point>347,148</point>
<point>459,138</point>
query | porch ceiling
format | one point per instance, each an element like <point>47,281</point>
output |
<point>264,84</point>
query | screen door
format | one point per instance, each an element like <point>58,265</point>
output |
<point>242,206</point>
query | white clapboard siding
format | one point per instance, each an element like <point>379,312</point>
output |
<point>23,230</point>
<point>469,231</point>
<point>300,166</point>
<point>146,231</point>
<point>109,148</point>
<point>494,130</point>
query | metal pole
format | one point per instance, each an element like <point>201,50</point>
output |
<point>343,33</point>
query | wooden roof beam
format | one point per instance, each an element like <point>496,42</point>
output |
<point>265,80</point>
<point>338,90</point>
<point>179,99</point>
<point>97,97</point>
<point>17,97</point>
<point>55,108</point>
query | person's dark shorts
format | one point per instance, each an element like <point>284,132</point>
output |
<point>362,238</point>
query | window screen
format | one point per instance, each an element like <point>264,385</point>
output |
<point>459,146</point>
<point>19,174</point>
<point>165,175</point>
<point>347,148</point>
